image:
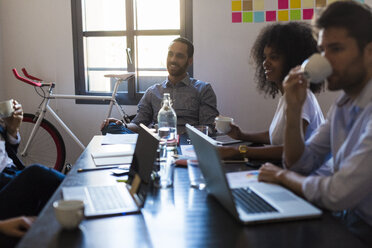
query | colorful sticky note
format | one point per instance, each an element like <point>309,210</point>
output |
<point>247,16</point>
<point>307,14</point>
<point>258,4</point>
<point>283,15</point>
<point>306,4</point>
<point>247,5</point>
<point>320,3</point>
<point>237,17</point>
<point>270,16</point>
<point>282,4</point>
<point>295,4</point>
<point>236,5</point>
<point>259,16</point>
<point>331,1</point>
<point>295,14</point>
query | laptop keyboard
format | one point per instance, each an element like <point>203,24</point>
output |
<point>251,202</point>
<point>106,198</point>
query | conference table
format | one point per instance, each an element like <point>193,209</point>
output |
<point>179,216</point>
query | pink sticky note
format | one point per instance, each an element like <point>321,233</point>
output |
<point>307,14</point>
<point>282,4</point>
<point>270,16</point>
<point>236,17</point>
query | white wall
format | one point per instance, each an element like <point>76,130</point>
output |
<point>37,35</point>
<point>223,57</point>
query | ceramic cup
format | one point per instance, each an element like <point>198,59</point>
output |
<point>223,124</point>
<point>316,68</point>
<point>69,213</point>
<point>6,108</point>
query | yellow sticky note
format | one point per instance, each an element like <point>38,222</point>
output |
<point>331,1</point>
<point>307,4</point>
<point>283,15</point>
<point>258,4</point>
<point>295,4</point>
<point>236,5</point>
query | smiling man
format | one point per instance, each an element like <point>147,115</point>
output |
<point>345,39</point>
<point>193,100</point>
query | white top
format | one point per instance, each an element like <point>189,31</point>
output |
<point>5,161</point>
<point>347,135</point>
<point>311,112</point>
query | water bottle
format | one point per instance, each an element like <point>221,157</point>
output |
<point>167,122</point>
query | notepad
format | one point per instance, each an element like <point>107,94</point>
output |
<point>117,150</point>
<point>113,154</point>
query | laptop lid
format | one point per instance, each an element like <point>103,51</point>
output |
<point>103,200</point>
<point>286,204</point>
<point>143,163</point>
<point>211,168</point>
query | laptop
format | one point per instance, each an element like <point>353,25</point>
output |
<point>259,202</point>
<point>225,140</point>
<point>120,198</point>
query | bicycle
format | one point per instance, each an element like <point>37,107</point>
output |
<point>41,141</point>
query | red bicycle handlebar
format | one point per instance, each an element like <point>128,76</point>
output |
<point>38,84</point>
<point>29,76</point>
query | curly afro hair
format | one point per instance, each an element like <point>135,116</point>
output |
<point>294,41</point>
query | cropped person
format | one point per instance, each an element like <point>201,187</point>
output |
<point>345,39</point>
<point>278,48</point>
<point>23,190</point>
<point>193,100</point>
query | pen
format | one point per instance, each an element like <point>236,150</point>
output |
<point>97,168</point>
<point>235,161</point>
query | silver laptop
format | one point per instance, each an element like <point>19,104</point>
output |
<point>260,202</point>
<point>120,198</point>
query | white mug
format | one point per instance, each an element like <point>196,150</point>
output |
<point>223,124</point>
<point>6,108</point>
<point>69,213</point>
<point>316,68</point>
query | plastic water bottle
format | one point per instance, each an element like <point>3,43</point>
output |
<point>167,122</point>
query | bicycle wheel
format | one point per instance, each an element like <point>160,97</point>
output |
<point>47,147</point>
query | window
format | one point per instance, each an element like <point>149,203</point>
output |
<point>115,36</point>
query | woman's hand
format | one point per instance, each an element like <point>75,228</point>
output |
<point>13,122</point>
<point>235,132</point>
<point>228,152</point>
<point>16,227</point>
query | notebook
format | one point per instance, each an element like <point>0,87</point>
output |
<point>258,202</point>
<point>120,198</point>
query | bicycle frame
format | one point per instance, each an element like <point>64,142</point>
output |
<point>44,107</point>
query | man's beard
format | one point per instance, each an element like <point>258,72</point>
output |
<point>179,72</point>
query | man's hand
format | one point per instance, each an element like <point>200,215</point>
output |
<point>270,173</point>
<point>295,86</point>
<point>13,122</point>
<point>16,227</point>
<point>110,120</point>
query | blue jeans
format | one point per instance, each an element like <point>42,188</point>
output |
<point>115,129</point>
<point>27,191</point>
<point>356,225</point>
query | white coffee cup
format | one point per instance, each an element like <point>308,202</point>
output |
<point>223,124</point>
<point>6,108</point>
<point>69,213</point>
<point>316,68</point>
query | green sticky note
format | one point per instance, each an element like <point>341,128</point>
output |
<point>247,17</point>
<point>295,15</point>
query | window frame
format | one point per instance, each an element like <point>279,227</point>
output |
<point>133,96</point>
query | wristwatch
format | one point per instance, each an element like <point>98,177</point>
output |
<point>243,150</point>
